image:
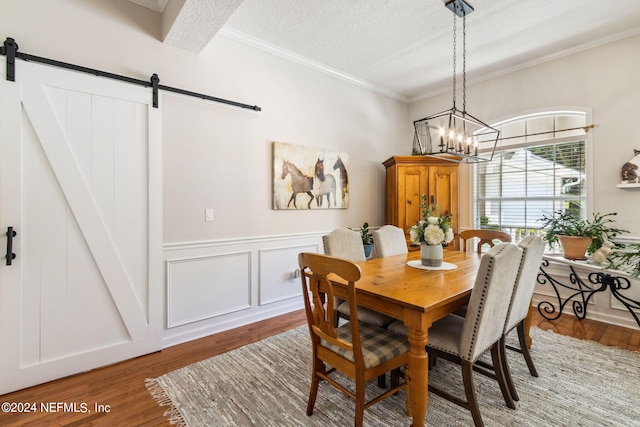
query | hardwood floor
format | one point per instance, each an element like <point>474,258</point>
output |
<point>122,386</point>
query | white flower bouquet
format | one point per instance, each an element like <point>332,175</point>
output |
<point>432,229</point>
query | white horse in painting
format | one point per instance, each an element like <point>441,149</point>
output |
<point>326,185</point>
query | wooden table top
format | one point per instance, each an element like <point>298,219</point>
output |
<point>388,284</point>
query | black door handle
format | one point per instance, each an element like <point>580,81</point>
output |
<point>10,235</point>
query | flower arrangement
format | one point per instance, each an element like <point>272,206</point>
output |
<point>432,229</point>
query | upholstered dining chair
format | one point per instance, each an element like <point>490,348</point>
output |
<point>347,244</point>
<point>532,250</point>
<point>389,240</point>
<point>463,340</point>
<point>486,237</point>
<point>359,350</point>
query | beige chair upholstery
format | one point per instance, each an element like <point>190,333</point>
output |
<point>463,340</point>
<point>486,237</point>
<point>358,350</point>
<point>389,240</point>
<point>532,250</point>
<point>344,243</point>
<point>347,244</point>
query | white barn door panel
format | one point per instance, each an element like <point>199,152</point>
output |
<point>80,183</point>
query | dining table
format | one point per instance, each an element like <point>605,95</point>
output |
<point>400,287</point>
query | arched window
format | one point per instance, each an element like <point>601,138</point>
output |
<point>538,167</point>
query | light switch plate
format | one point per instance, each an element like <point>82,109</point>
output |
<point>208,214</point>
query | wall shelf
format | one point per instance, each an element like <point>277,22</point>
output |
<point>636,185</point>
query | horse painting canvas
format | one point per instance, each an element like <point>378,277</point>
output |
<point>309,178</point>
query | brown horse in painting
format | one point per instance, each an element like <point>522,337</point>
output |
<point>300,183</point>
<point>344,178</point>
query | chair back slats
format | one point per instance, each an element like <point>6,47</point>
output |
<point>323,304</point>
<point>317,288</point>
<point>489,301</point>
<point>485,236</point>
<point>532,250</point>
<point>389,240</point>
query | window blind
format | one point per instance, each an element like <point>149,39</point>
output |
<point>530,176</point>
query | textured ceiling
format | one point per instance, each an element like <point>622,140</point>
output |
<point>403,48</point>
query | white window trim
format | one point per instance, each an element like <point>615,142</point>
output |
<point>588,140</point>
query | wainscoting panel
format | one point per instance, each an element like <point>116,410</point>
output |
<point>279,273</point>
<point>205,287</point>
<point>213,286</point>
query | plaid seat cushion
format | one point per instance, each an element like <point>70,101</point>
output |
<point>378,345</point>
<point>367,315</point>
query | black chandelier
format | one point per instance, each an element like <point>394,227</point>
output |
<point>455,135</point>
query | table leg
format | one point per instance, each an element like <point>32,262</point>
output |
<point>417,377</point>
<point>527,326</point>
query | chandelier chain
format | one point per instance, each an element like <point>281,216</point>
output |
<point>453,135</point>
<point>464,64</point>
<point>454,60</point>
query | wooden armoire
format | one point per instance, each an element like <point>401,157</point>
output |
<point>408,178</point>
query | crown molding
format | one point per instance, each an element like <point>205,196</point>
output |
<point>538,61</point>
<point>306,62</point>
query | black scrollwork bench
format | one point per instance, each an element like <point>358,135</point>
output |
<point>581,290</point>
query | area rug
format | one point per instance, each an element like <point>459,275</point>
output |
<point>266,383</point>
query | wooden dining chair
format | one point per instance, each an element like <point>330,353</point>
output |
<point>463,340</point>
<point>389,240</point>
<point>347,244</point>
<point>485,236</point>
<point>359,350</point>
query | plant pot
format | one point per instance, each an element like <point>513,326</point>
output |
<point>575,247</point>
<point>367,250</point>
<point>431,255</point>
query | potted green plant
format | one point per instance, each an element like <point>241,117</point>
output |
<point>578,236</point>
<point>626,258</point>
<point>367,239</point>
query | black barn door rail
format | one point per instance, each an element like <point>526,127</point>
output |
<point>10,50</point>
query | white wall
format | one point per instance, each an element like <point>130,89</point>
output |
<point>604,79</point>
<point>219,157</point>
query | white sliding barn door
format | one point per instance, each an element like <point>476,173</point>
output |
<point>80,183</point>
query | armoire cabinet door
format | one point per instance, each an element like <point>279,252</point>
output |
<point>408,178</point>
<point>443,187</point>
<point>413,181</point>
